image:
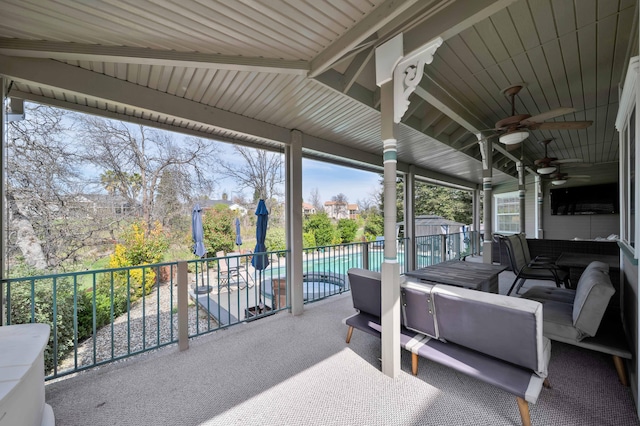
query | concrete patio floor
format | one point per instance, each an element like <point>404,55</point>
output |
<point>285,370</point>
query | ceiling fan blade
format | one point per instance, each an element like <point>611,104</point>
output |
<point>560,125</point>
<point>549,114</point>
<point>567,160</point>
<point>578,176</point>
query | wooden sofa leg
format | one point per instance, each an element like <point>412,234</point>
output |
<point>622,375</point>
<point>349,333</point>
<point>546,383</point>
<point>523,406</point>
<point>414,364</point>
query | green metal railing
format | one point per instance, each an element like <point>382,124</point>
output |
<point>101,316</point>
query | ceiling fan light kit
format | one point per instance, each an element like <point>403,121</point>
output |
<point>546,170</point>
<point>515,137</point>
<point>558,182</point>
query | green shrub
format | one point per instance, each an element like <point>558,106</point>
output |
<point>321,227</point>
<point>308,240</point>
<point>347,229</point>
<point>219,230</point>
<point>276,240</point>
<point>43,298</point>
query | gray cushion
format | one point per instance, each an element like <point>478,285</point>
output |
<point>593,293</point>
<point>541,293</point>
<point>558,324</point>
<point>365,290</point>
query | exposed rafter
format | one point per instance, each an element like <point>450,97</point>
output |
<point>136,55</point>
<point>360,32</point>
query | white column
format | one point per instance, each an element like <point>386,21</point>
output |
<point>397,76</point>
<point>487,179</point>
<point>410,219</point>
<point>539,207</point>
<point>475,226</point>
<point>3,185</point>
<point>293,155</point>
<point>521,195</point>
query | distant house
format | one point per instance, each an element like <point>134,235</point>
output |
<point>232,206</point>
<point>308,209</point>
<point>340,210</point>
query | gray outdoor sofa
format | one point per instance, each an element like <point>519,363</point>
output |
<point>493,338</point>
<point>581,317</point>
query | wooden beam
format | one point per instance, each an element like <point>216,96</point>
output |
<point>380,16</point>
<point>355,68</point>
<point>136,55</point>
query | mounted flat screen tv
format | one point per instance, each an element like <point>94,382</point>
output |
<point>590,199</point>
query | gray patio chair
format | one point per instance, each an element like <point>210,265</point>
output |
<point>535,270</point>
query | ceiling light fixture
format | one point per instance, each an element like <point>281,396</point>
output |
<point>546,170</point>
<point>514,137</point>
<point>559,181</point>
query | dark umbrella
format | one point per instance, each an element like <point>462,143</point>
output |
<point>260,260</point>
<point>197,234</point>
<point>238,237</point>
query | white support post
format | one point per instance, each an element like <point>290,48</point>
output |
<point>3,185</point>
<point>486,150</point>
<point>293,155</point>
<point>539,207</point>
<point>397,76</point>
<point>409,219</point>
<point>521,195</point>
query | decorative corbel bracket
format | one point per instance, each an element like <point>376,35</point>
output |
<point>408,73</point>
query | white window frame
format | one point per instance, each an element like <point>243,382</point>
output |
<point>515,202</point>
<point>627,106</point>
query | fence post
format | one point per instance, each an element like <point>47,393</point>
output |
<point>443,245</point>
<point>183,306</point>
<point>365,255</point>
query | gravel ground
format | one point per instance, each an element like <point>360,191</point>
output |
<point>159,307</point>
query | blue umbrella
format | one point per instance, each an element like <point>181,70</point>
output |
<point>238,237</point>
<point>197,234</point>
<point>260,260</point>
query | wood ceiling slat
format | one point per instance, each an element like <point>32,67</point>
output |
<point>565,17</point>
<point>482,53</point>
<point>543,18</point>
<point>198,85</point>
<point>212,94</point>
<point>605,38</point>
<point>586,13</point>
<point>606,9</point>
<point>588,61</point>
<point>492,40</point>
<point>507,32</point>
<point>523,21</point>
<point>571,61</point>
<point>553,55</point>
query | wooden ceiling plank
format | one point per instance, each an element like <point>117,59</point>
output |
<point>542,17</point>
<point>553,54</point>
<point>606,38</point>
<point>588,61</point>
<point>565,17</point>
<point>508,33</point>
<point>523,21</point>
<point>492,40</point>
<point>586,14</point>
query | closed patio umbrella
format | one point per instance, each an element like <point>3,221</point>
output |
<point>260,259</point>
<point>197,234</point>
<point>238,236</point>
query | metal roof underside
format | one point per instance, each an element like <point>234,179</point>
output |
<point>251,72</point>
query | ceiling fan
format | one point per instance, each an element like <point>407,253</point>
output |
<point>547,165</point>
<point>515,129</point>
<point>559,178</point>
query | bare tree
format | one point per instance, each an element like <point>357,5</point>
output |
<point>46,186</point>
<point>137,157</point>
<point>340,198</point>
<point>314,199</point>
<point>260,172</point>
